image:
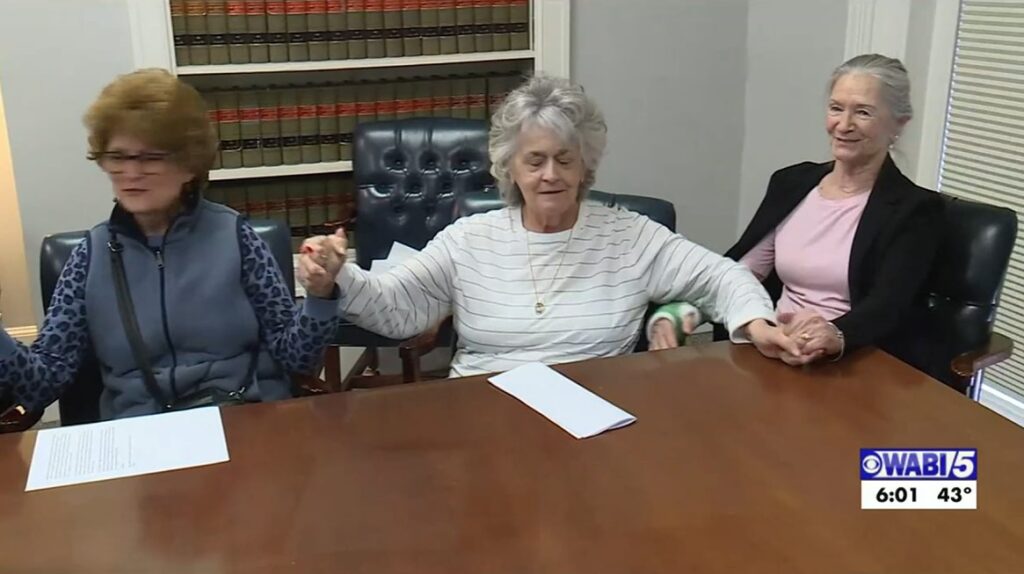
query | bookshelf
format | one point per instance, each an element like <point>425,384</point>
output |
<point>269,189</point>
<point>280,170</point>
<point>363,64</point>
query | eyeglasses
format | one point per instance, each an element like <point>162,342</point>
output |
<point>115,162</point>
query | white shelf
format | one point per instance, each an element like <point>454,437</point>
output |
<point>355,64</point>
<point>280,170</point>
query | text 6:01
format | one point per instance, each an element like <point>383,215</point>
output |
<point>899,494</point>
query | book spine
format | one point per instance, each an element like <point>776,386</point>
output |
<point>411,42</point>
<point>334,201</point>
<point>256,28</point>
<point>374,28</point>
<point>270,128</point>
<point>256,200</point>
<point>345,108</point>
<point>327,121</point>
<point>386,104</point>
<point>441,91</point>
<point>230,129</point>
<point>405,102</point>
<point>316,202</point>
<point>288,112</point>
<point>466,33</point>
<point>501,25</point>
<point>355,17</point>
<point>296,203</point>
<point>195,24</point>
<point>478,98</point>
<point>277,31</point>
<point>295,19</point>
<point>180,32</point>
<point>483,33</point>
<point>237,30</point>
<point>277,201</point>
<point>393,28</point>
<point>215,193</point>
<point>446,28</point>
<point>249,127</point>
<point>366,103</point>
<point>309,126</point>
<point>337,30</point>
<point>430,40</point>
<point>460,97</point>
<point>519,16</point>
<point>423,98</point>
<point>316,20</point>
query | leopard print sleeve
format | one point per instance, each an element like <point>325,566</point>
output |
<point>39,373</point>
<point>295,335</point>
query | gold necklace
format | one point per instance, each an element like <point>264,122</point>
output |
<point>539,307</point>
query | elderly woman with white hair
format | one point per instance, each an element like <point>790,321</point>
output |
<point>845,246</point>
<point>550,277</point>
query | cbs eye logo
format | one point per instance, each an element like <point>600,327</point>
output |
<point>871,464</point>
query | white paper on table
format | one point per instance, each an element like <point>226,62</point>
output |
<point>127,447</point>
<point>399,252</point>
<point>577,410</point>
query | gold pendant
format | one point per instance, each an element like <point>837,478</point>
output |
<point>539,307</point>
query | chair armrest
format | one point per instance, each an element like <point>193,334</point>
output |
<point>412,349</point>
<point>998,349</point>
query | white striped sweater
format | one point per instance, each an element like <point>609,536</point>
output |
<point>479,270</point>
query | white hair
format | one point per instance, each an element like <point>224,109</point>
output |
<point>891,75</point>
<point>555,104</point>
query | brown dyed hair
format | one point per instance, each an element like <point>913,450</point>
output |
<point>160,110</point>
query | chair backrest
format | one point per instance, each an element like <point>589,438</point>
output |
<point>79,403</point>
<point>657,209</point>
<point>962,289</point>
<point>408,174</point>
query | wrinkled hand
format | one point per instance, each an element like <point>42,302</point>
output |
<point>321,260</point>
<point>663,333</point>
<point>815,336</point>
<point>772,342</point>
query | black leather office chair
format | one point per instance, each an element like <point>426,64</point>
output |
<point>950,337</point>
<point>408,174</point>
<point>79,403</point>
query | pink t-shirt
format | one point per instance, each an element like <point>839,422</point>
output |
<point>810,250</point>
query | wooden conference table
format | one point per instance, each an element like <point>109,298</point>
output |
<point>736,464</point>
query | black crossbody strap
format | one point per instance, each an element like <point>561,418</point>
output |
<point>131,324</point>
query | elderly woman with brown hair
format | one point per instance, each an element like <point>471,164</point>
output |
<point>178,298</point>
<point>552,277</point>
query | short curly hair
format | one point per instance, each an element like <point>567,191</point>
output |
<point>161,110</point>
<point>556,104</point>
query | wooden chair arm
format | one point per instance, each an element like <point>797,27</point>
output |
<point>998,349</point>
<point>412,349</point>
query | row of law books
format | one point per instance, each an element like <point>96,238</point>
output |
<point>259,31</point>
<point>314,123</point>
<point>310,205</point>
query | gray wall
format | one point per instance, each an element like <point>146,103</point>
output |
<point>55,56</point>
<point>669,76</point>
<point>792,47</point>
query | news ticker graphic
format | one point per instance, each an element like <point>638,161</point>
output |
<point>919,479</point>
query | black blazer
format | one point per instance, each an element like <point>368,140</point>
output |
<point>892,251</point>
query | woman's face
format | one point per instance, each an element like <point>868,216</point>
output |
<point>858,120</point>
<point>146,180</point>
<point>547,172</point>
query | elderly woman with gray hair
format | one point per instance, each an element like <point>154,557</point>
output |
<point>844,246</point>
<point>550,277</point>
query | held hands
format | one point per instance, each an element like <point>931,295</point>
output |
<point>321,260</point>
<point>774,343</point>
<point>815,336</point>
